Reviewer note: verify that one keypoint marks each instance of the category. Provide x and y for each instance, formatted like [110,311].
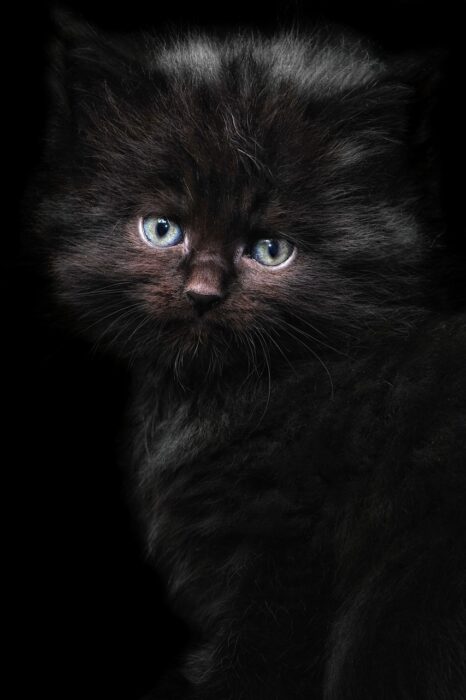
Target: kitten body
[298,447]
[317,549]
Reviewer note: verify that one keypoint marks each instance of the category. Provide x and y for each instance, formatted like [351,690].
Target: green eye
[161,232]
[271,251]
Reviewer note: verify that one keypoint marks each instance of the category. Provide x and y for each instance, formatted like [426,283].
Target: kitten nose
[202,302]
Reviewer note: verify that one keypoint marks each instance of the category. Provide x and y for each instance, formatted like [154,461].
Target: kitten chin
[201,352]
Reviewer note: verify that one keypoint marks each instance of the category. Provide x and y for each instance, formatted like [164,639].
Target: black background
[88,617]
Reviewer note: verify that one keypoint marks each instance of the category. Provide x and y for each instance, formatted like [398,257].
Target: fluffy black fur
[298,451]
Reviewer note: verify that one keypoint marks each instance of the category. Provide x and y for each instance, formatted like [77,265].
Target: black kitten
[252,222]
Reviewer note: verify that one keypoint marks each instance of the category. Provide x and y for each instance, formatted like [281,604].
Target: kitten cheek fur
[296,455]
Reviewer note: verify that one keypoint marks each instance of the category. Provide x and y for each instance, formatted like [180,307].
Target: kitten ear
[87,67]
[424,75]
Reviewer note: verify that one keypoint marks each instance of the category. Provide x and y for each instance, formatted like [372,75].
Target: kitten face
[183,173]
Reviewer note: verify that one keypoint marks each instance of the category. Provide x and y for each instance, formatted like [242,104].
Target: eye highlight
[160,231]
[271,252]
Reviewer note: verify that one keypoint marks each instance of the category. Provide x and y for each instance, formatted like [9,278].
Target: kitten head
[210,200]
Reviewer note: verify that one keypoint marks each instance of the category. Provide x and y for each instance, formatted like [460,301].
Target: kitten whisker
[177,368]
[198,342]
[268,334]
[137,328]
[249,346]
[109,315]
[269,373]
[122,313]
[306,322]
[313,353]
[114,287]
[245,341]
[311,337]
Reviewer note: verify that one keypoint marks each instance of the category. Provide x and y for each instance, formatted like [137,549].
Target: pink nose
[206,284]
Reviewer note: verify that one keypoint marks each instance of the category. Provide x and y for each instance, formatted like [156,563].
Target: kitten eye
[271,251]
[161,232]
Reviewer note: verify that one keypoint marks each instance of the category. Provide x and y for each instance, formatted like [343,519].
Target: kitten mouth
[206,329]
[206,322]
[205,335]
